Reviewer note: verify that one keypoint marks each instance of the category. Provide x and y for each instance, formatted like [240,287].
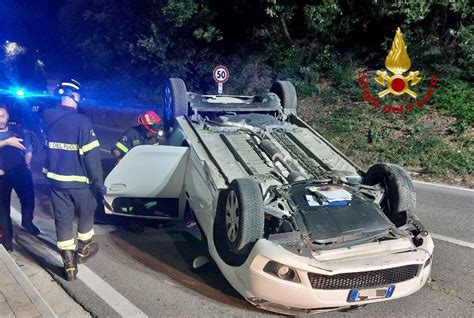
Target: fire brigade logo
[398,62]
[395,82]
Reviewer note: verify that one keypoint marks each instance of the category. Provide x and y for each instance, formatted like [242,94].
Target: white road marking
[452,240]
[103,290]
[443,186]
[112,297]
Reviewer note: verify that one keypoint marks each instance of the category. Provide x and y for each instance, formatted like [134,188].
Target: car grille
[363,279]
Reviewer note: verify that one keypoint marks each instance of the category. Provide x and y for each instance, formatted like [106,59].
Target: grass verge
[422,141]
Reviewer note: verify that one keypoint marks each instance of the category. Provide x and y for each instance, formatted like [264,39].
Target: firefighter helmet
[67,87]
[150,121]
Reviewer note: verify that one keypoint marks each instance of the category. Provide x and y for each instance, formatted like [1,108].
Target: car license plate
[367,294]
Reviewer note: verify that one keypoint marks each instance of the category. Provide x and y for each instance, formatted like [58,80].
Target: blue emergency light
[20,93]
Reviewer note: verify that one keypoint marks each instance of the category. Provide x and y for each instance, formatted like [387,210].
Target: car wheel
[175,101]
[287,94]
[400,198]
[244,217]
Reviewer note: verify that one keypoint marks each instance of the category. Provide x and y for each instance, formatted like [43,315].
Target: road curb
[37,300]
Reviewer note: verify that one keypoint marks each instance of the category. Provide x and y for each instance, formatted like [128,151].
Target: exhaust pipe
[296,172]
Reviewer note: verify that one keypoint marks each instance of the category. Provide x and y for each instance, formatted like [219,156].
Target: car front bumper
[270,292]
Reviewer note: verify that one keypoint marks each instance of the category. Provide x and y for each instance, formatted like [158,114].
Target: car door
[148,183]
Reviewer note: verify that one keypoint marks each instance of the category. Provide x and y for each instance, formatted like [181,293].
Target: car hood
[356,219]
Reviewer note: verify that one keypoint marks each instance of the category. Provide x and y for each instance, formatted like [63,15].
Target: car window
[177,138]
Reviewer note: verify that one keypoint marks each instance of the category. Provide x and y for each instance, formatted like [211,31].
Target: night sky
[32,24]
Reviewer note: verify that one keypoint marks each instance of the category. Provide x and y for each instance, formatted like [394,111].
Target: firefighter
[15,174]
[74,170]
[148,132]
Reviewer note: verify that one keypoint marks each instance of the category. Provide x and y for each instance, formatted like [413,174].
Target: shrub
[455,98]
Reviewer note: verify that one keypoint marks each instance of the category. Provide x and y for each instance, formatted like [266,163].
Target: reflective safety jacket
[73,159]
[136,136]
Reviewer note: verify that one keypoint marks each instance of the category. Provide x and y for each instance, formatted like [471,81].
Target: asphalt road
[149,274]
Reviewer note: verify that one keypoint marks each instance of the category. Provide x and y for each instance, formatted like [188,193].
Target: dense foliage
[260,40]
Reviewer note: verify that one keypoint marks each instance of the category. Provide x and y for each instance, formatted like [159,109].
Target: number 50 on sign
[221,75]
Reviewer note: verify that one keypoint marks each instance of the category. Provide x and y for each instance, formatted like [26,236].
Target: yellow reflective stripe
[90,146]
[63,146]
[127,209]
[151,204]
[121,146]
[67,245]
[85,236]
[64,178]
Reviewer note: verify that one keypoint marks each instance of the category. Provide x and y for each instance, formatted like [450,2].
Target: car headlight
[282,271]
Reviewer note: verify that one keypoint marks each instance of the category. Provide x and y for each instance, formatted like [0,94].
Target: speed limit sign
[221,74]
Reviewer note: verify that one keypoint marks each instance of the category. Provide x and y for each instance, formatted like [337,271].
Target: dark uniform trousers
[66,202]
[21,181]
[5,221]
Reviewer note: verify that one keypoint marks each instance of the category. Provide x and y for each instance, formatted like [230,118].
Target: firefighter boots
[86,250]
[70,264]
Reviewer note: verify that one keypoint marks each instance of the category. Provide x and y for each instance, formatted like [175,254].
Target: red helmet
[150,121]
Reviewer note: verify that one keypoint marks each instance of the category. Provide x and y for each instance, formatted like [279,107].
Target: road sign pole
[219,88]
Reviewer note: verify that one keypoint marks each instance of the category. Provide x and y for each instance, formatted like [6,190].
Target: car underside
[291,164]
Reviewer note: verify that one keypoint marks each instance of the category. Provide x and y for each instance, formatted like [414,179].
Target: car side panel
[200,191]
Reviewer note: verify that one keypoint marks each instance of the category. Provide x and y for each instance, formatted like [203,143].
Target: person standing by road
[74,170]
[15,174]
[148,132]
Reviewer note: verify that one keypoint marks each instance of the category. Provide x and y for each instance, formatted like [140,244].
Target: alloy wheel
[232,216]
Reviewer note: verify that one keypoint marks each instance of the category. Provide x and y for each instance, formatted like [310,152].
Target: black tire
[175,101]
[247,196]
[287,94]
[400,197]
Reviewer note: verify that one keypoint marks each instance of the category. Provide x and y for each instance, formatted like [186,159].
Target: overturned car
[291,222]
